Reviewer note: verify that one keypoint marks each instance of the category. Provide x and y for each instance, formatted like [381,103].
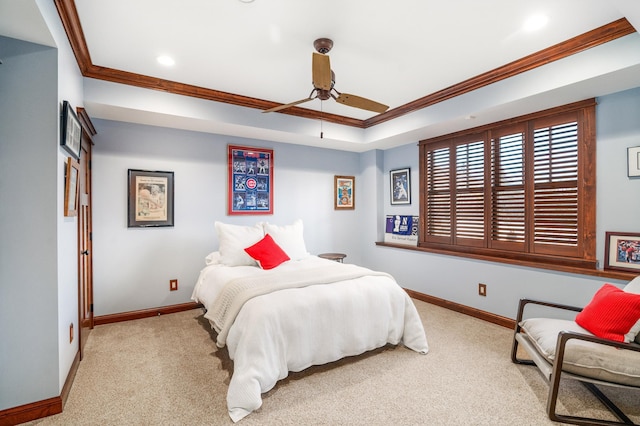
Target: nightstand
[338,257]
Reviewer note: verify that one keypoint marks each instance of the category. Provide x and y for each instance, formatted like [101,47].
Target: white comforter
[292,329]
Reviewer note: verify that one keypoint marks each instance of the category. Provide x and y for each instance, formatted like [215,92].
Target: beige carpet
[167,371]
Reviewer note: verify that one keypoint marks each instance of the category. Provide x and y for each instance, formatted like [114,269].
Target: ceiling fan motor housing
[323,45]
[323,95]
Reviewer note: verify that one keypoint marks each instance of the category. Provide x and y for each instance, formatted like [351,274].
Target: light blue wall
[38,256]
[38,275]
[456,279]
[618,127]
[28,223]
[370,200]
[70,89]
[133,266]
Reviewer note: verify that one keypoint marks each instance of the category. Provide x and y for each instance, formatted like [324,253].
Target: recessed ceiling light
[165,60]
[246,1]
[535,22]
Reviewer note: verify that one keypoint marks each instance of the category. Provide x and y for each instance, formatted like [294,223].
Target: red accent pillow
[611,313]
[267,253]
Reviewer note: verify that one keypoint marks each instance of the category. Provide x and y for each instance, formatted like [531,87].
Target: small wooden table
[338,257]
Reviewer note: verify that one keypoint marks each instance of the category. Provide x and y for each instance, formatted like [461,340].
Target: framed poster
[400,186]
[622,251]
[71,132]
[250,180]
[401,230]
[150,201]
[344,193]
[633,161]
[71,185]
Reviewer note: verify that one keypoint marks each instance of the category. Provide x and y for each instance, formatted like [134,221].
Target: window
[522,189]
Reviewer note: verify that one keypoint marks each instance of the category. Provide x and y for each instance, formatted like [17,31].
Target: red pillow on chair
[267,253]
[611,314]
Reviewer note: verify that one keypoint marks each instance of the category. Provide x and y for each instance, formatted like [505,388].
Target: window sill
[618,275]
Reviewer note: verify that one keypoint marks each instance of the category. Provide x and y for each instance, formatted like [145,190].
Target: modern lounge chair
[563,349]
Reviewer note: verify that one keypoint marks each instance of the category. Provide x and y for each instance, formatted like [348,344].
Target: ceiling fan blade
[279,107]
[360,102]
[321,71]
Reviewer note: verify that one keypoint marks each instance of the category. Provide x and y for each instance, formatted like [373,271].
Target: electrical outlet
[173,285]
[482,289]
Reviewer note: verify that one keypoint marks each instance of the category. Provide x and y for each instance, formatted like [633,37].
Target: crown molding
[71,23]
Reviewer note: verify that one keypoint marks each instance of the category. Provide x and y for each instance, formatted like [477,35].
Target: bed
[303,311]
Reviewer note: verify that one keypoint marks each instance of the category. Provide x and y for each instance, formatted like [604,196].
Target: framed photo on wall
[150,200]
[71,185]
[400,186]
[344,193]
[250,180]
[633,160]
[71,131]
[622,251]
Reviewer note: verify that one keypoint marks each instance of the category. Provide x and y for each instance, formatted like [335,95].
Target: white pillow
[234,239]
[289,238]
[633,334]
[212,258]
[634,287]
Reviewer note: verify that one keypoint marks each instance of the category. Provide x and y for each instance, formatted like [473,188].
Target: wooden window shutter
[508,218]
[470,192]
[556,221]
[522,189]
[438,193]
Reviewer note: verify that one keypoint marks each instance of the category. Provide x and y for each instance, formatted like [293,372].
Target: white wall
[133,266]
[456,279]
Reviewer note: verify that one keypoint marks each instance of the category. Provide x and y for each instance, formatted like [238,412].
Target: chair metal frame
[553,372]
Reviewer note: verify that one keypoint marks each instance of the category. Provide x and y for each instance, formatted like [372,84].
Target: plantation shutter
[521,190]
[470,192]
[508,217]
[438,194]
[555,199]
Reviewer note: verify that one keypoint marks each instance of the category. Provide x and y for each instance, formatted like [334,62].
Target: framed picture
[71,133]
[150,201]
[633,160]
[250,180]
[622,251]
[344,193]
[71,185]
[400,186]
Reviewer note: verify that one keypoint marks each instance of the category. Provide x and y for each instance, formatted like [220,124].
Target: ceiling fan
[323,80]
